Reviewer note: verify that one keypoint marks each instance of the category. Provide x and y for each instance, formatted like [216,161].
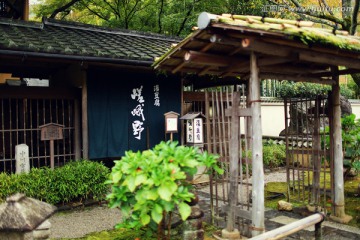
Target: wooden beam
[210,59]
[306,55]
[266,48]
[242,67]
[268,61]
[296,78]
[340,72]
[287,69]
[178,67]
[329,59]
[204,70]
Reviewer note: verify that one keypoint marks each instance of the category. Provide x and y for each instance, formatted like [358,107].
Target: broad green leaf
[116,177]
[168,206]
[144,219]
[184,210]
[158,208]
[125,210]
[147,194]
[190,163]
[139,179]
[156,216]
[166,190]
[130,183]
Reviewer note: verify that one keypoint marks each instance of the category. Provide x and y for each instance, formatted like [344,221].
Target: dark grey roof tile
[68,38]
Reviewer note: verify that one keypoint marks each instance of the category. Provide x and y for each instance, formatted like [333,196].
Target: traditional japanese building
[96,82]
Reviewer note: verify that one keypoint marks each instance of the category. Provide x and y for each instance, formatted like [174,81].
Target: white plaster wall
[356,109]
[273,118]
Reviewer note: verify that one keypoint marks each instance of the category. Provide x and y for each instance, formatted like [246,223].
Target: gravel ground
[77,223]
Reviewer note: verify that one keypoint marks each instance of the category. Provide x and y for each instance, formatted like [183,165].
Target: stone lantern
[20,214]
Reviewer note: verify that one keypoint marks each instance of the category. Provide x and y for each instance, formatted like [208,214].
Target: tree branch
[94,12]
[299,9]
[160,13]
[182,26]
[63,8]
[354,22]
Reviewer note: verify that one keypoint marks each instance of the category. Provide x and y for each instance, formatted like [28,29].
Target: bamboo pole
[286,230]
[259,19]
[317,159]
[248,120]
[257,157]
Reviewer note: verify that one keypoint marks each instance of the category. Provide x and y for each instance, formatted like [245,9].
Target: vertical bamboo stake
[257,155]
[209,149]
[339,199]
[317,159]
[248,121]
[214,150]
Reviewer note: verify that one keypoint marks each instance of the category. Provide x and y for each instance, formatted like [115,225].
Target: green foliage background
[171,17]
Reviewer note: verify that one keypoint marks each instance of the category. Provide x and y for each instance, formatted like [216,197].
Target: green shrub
[77,180]
[146,185]
[274,155]
[290,89]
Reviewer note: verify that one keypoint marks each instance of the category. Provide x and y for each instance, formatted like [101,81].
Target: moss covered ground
[352,196]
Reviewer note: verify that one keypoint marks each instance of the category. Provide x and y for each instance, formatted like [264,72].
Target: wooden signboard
[171,123]
[51,132]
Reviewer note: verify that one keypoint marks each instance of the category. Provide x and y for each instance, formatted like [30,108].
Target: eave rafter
[225,53]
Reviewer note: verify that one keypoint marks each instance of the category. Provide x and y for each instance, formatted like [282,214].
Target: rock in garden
[284,206]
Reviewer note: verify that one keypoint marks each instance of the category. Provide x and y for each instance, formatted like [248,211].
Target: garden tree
[172,17]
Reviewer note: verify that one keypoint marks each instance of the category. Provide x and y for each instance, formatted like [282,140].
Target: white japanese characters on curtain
[156,96]
[138,111]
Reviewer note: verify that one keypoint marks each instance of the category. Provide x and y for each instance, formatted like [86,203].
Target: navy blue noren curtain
[110,105]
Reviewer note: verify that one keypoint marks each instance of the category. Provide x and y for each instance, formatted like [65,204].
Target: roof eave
[27,54]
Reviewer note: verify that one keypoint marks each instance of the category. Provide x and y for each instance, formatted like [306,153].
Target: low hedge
[274,155]
[75,181]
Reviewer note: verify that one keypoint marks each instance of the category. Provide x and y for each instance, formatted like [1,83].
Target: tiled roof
[68,40]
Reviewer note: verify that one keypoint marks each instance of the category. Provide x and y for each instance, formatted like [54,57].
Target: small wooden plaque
[51,131]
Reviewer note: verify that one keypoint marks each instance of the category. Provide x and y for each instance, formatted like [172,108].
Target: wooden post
[77,144]
[52,162]
[234,158]
[85,134]
[25,12]
[339,198]
[258,208]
